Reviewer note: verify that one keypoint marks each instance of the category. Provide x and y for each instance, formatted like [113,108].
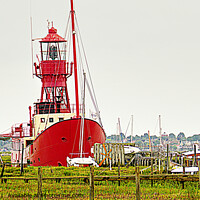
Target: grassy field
[78,189]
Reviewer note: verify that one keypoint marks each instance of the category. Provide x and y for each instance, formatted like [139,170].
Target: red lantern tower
[53,70]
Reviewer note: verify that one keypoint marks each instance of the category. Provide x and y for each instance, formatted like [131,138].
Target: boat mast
[83,118]
[120,130]
[75,59]
[160,130]
[150,148]
[131,128]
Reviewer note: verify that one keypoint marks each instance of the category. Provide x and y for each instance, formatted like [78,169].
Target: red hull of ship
[61,140]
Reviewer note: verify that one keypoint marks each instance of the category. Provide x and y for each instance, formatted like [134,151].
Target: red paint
[30,121]
[53,36]
[53,70]
[61,140]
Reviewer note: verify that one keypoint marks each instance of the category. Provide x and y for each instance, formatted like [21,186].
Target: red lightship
[57,129]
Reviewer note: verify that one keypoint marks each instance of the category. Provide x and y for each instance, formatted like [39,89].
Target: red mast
[75,59]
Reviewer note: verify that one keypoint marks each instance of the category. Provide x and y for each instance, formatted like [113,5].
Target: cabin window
[42,120]
[61,119]
[51,119]
[28,142]
[39,159]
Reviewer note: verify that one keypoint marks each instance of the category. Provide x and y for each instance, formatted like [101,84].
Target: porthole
[51,119]
[64,139]
[89,138]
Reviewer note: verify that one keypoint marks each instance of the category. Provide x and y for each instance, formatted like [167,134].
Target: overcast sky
[143,57]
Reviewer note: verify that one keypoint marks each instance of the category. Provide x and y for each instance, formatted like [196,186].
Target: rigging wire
[93,92]
[80,68]
[127,127]
[67,27]
[91,96]
[69,44]
[4,131]
[156,127]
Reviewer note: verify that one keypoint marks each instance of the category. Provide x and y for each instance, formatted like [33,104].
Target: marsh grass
[6,159]
[78,189]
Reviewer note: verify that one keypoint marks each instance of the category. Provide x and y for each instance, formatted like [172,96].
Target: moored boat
[57,129]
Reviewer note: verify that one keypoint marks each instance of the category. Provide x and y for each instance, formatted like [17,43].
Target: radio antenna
[31,38]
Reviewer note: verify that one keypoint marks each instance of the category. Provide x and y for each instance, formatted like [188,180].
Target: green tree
[194,138]
[156,142]
[153,137]
[181,136]
[172,136]
[137,137]
[139,143]
[146,137]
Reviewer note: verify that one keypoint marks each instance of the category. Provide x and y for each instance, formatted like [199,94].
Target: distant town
[177,143]
[5,144]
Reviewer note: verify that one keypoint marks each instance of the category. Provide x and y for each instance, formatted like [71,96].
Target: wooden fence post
[22,158]
[152,171]
[39,183]
[137,179]
[156,164]
[167,158]
[118,171]
[2,171]
[199,172]
[176,158]
[159,155]
[195,156]
[183,165]
[98,153]
[171,156]
[91,182]
[183,171]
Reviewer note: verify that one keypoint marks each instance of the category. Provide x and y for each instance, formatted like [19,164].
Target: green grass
[78,189]
[6,159]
